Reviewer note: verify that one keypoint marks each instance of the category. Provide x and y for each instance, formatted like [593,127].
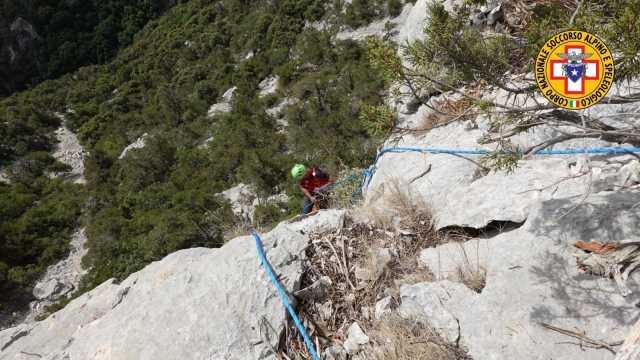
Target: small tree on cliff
[458,57]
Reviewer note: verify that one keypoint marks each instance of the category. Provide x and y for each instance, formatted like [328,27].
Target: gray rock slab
[412,27]
[384,307]
[335,352]
[355,339]
[377,28]
[193,304]
[60,279]
[242,197]
[323,221]
[461,195]
[268,86]
[224,106]
[532,279]
[140,143]
[435,304]
[69,151]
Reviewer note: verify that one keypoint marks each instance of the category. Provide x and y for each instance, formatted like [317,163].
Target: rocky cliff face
[19,43]
[194,304]
[523,226]
[507,288]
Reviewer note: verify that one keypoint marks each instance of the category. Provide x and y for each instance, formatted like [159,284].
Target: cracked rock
[431,302]
[178,308]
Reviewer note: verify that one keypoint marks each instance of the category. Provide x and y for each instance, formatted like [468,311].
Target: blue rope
[283,296]
[367,174]
[345,179]
[596,150]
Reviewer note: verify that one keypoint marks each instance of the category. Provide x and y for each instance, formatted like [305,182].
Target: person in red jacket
[313,181]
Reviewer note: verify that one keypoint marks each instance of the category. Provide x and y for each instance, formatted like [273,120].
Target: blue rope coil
[283,296]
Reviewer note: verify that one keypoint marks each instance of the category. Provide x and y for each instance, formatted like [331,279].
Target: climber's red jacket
[313,179]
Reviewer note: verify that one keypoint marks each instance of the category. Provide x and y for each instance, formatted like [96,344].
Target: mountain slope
[46,39]
[162,196]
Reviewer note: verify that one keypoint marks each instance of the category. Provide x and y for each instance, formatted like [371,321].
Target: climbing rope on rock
[367,174]
[284,298]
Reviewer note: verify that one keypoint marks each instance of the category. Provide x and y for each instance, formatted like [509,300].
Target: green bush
[77,33]
[36,222]
[394,7]
[268,214]
[379,120]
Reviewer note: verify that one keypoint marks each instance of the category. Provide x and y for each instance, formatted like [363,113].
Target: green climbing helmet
[298,170]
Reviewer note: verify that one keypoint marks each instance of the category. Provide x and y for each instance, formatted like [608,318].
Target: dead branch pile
[448,111]
[348,272]
[615,260]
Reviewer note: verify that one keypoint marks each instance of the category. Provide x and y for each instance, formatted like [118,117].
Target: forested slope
[45,39]
[163,197]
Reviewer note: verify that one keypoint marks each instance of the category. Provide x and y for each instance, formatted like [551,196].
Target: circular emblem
[574,69]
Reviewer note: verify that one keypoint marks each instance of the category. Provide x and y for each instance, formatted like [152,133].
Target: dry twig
[598,344]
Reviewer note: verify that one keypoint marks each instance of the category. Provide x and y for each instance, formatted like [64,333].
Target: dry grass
[405,214]
[237,229]
[449,110]
[471,273]
[405,340]
[519,13]
[475,279]
[337,255]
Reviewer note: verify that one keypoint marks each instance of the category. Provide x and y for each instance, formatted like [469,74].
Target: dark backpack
[319,173]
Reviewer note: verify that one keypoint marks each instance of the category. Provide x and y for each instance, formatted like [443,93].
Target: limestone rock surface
[60,279]
[532,279]
[193,304]
[140,143]
[224,106]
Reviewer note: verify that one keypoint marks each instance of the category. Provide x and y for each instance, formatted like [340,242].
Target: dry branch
[598,344]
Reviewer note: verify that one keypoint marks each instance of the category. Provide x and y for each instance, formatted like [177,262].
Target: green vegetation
[36,221]
[361,12]
[269,214]
[77,33]
[163,197]
[378,120]
[458,57]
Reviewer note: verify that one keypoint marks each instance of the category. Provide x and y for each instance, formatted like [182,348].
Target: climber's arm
[307,193]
